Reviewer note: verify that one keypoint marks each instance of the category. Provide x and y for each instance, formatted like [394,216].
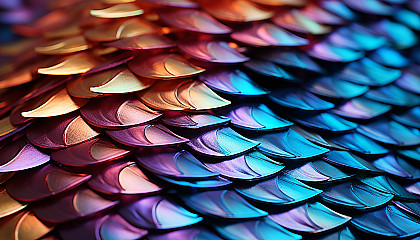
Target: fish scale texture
[229,119]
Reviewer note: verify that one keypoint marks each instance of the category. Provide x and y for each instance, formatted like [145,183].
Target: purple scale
[123,178]
[60,132]
[310,218]
[92,152]
[332,53]
[255,117]
[173,163]
[150,135]
[361,108]
[105,228]
[193,20]
[212,51]
[250,166]
[409,81]
[193,121]
[20,155]
[157,212]
[223,142]
[318,171]
[232,81]
[44,182]
[75,205]
[267,34]
[117,112]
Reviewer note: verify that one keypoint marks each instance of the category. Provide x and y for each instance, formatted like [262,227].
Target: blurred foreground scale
[203,119]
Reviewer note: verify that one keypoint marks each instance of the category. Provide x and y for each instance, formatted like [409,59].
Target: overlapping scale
[173,163]
[288,145]
[318,171]
[326,122]
[409,81]
[361,108]
[212,51]
[49,105]
[234,82]
[332,53]
[268,34]
[9,204]
[355,195]
[62,47]
[120,29]
[92,152]
[387,222]
[74,64]
[107,228]
[44,182]
[299,99]
[389,57]
[256,118]
[399,35]
[20,155]
[124,178]
[117,11]
[281,190]
[222,204]
[357,37]
[75,205]
[60,132]
[143,42]
[249,166]
[130,99]
[335,87]
[346,159]
[397,166]
[367,72]
[390,132]
[23,225]
[237,11]
[413,154]
[117,112]
[208,183]
[270,69]
[320,15]
[193,121]
[150,135]
[198,233]
[387,185]
[194,20]
[165,66]
[310,218]
[297,21]
[152,213]
[218,143]
[114,81]
[358,143]
[293,59]
[256,229]
[374,7]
